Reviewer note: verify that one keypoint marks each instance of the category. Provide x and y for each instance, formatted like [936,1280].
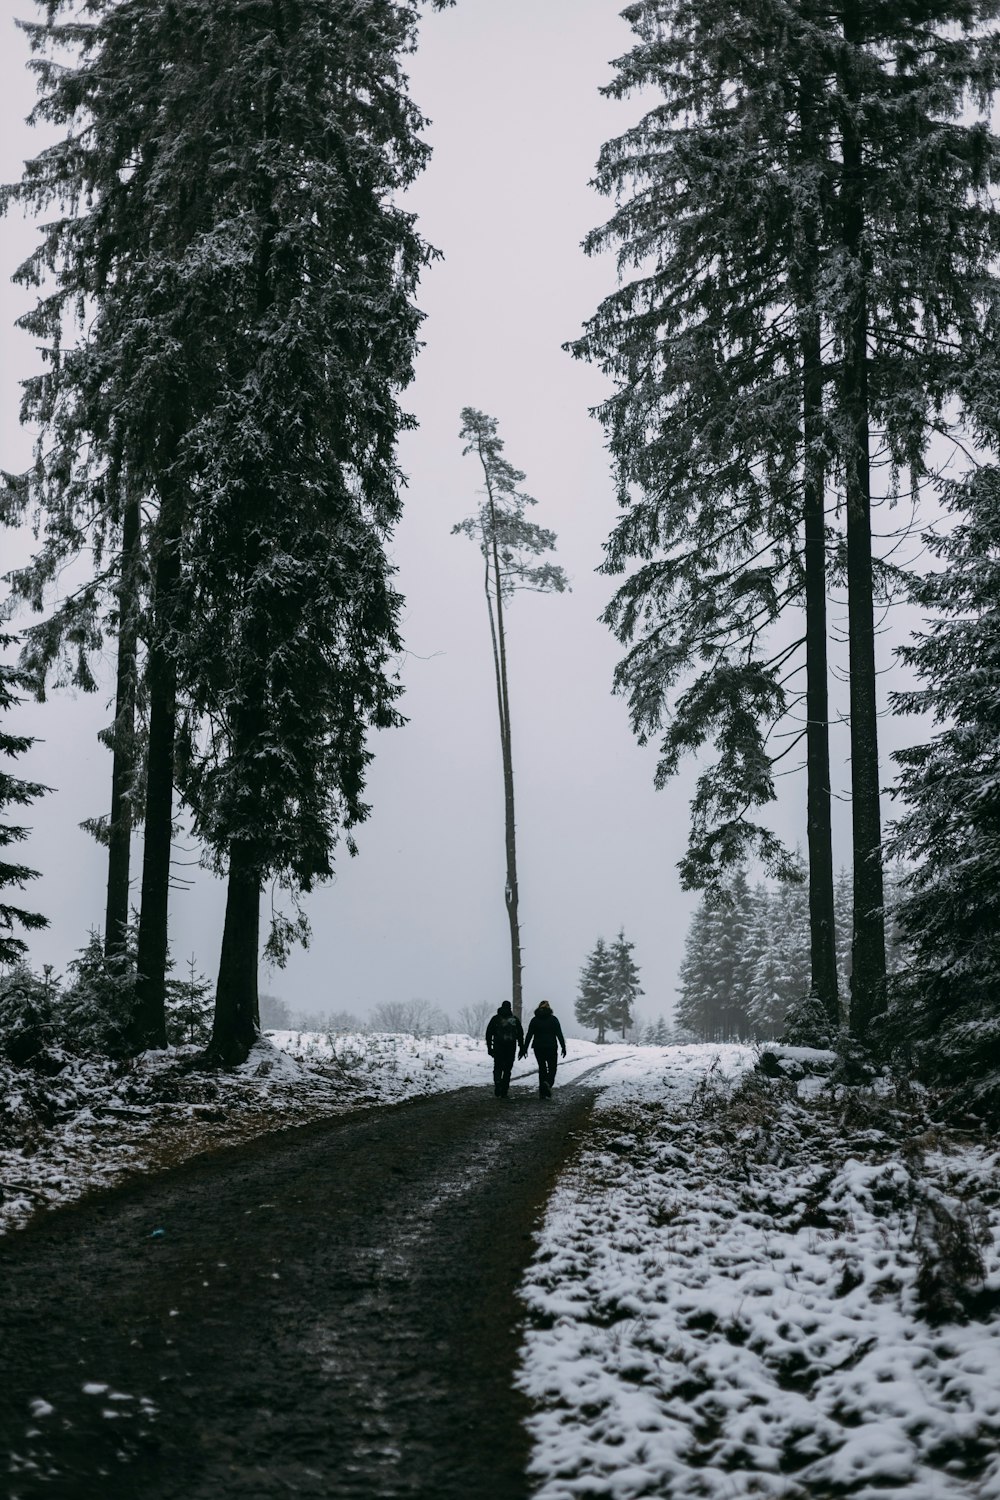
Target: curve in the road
[329,1312]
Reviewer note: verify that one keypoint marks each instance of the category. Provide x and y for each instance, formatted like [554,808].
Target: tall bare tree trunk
[510,840]
[123,739]
[819,832]
[149,1025]
[868,946]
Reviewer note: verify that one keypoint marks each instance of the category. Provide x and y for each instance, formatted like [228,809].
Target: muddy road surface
[328,1312]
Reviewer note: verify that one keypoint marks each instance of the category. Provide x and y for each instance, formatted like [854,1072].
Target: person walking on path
[504,1035]
[546,1034]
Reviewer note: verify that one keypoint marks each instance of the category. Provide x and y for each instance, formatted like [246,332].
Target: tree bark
[149,1026]
[510,839]
[819,832]
[868,944]
[237,1009]
[123,740]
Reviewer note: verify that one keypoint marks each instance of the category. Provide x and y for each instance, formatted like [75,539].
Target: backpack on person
[505,1032]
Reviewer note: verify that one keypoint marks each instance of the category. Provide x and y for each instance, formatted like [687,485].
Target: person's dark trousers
[546,1069]
[503,1062]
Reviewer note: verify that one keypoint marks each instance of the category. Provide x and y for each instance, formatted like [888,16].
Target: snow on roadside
[746,1289]
[97,1122]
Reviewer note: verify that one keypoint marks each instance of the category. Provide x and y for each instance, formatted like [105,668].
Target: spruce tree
[229,177]
[595,1003]
[624,981]
[309,269]
[129,184]
[946,999]
[15,791]
[910,244]
[765,1000]
[806,213]
[734,960]
[717,427]
[511,546]
[693,1001]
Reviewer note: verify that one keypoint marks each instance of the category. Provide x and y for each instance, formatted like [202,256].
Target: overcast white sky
[512,91]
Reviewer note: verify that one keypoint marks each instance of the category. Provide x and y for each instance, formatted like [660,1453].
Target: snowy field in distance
[403,1067]
[743,1289]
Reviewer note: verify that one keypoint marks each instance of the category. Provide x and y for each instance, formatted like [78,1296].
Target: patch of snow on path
[739,1290]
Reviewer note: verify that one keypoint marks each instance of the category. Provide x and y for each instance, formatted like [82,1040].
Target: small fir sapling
[189,1008]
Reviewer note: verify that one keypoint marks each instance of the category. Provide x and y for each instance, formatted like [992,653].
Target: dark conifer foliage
[609,987]
[704,425]
[806,242]
[946,1004]
[746,972]
[230,242]
[625,986]
[308,331]
[746,961]
[15,791]
[594,1005]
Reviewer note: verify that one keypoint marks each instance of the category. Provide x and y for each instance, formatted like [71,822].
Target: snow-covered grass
[97,1122]
[744,1287]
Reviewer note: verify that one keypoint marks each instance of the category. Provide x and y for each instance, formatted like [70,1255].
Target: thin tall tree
[510,545]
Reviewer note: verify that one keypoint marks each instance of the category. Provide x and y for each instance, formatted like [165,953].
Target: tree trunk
[237,1011]
[822,927]
[123,740]
[510,842]
[868,945]
[819,832]
[149,1026]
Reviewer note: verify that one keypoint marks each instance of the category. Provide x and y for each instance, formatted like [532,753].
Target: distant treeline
[747,960]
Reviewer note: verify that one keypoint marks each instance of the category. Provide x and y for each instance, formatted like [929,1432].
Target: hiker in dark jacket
[503,1037]
[546,1034]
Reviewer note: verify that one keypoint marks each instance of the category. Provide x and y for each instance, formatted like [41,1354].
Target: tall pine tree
[510,545]
[806,214]
[287,658]
[229,178]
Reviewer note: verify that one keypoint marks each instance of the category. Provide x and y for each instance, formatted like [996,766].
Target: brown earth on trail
[326,1312]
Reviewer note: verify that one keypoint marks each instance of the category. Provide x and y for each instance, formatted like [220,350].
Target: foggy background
[517,124]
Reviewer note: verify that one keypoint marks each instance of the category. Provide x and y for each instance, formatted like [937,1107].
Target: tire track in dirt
[327,1312]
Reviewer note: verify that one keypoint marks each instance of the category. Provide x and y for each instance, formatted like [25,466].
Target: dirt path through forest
[327,1312]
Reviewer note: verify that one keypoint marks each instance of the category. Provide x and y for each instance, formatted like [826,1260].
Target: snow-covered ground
[744,1288]
[401,1067]
[96,1123]
[741,1287]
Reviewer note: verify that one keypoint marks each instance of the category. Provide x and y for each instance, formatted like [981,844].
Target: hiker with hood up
[546,1033]
[503,1037]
